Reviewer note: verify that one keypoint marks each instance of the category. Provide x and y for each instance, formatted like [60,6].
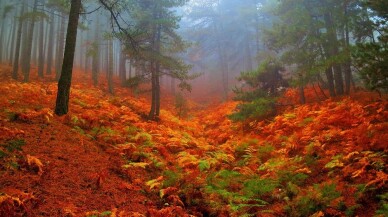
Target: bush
[258,100]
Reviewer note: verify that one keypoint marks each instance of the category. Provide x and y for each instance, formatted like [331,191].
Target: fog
[213,40]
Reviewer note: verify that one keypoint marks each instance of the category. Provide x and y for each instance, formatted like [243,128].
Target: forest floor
[324,158]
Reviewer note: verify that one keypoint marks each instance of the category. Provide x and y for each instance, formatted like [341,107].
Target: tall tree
[110,65]
[64,84]
[41,46]
[371,56]
[27,58]
[15,71]
[308,34]
[94,52]
[60,46]
[50,46]
[160,41]
[5,12]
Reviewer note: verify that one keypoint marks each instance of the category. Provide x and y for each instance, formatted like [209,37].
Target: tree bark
[27,65]
[61,43]
[3,22]
[330,81]
[86,54]
[332,47]
[96,55]
[301,94]
[50,47]
[15,71]
[155,68]
[41,49]
[224,64]
[64,84]
[110,66]
[347,64]
[122,69]
[12,44]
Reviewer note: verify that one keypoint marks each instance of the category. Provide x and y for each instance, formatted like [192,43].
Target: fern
[383,209]
[258,187]
[171,178]
[203,165]
[145,138]
[13,145]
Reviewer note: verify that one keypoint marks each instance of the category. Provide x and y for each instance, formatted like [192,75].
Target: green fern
[257,187]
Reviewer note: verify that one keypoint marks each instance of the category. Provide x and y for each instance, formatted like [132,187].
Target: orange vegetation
[104,158]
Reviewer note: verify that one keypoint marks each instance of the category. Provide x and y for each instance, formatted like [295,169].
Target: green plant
[171,178]
[256,109]
[306,121]
[313,199]
[132,130]
[264,152]
[181,106]
[383,208]
[2,154]
[241,193]
[203,165]
[12,145]
[335,162]
[257,187]
[259,101]
[144,138]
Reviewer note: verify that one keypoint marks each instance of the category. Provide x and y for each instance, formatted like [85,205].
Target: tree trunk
[347,64]
[224,65]
[332,47]
[157,93]
[8,44]
[15,71]
[86,54]
[248,56]
[96,55]
[81,51]
[131,64]
[41,49]
[110,66]
[330,81]
[61,43]
[157,71]
[12,43]
[64,84]
[27,66]
[50,47]
[155,67]
[3,22]
[153,92]
[122,69]
[35,44]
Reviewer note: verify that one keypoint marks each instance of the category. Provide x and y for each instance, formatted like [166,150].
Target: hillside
[326,158]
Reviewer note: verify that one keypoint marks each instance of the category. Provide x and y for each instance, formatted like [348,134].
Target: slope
[105,159]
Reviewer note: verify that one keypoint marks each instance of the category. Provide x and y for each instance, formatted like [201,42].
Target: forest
[183,108]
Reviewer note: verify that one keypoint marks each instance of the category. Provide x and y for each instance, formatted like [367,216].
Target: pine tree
[64,84]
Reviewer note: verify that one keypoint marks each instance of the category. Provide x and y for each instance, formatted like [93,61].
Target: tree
[258,99]
[64,84]
[50,45]
[41,47]
[228,35]
[158,42]
[371,57]
[315,36]
[6,10]
[15,70]
[27,58]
